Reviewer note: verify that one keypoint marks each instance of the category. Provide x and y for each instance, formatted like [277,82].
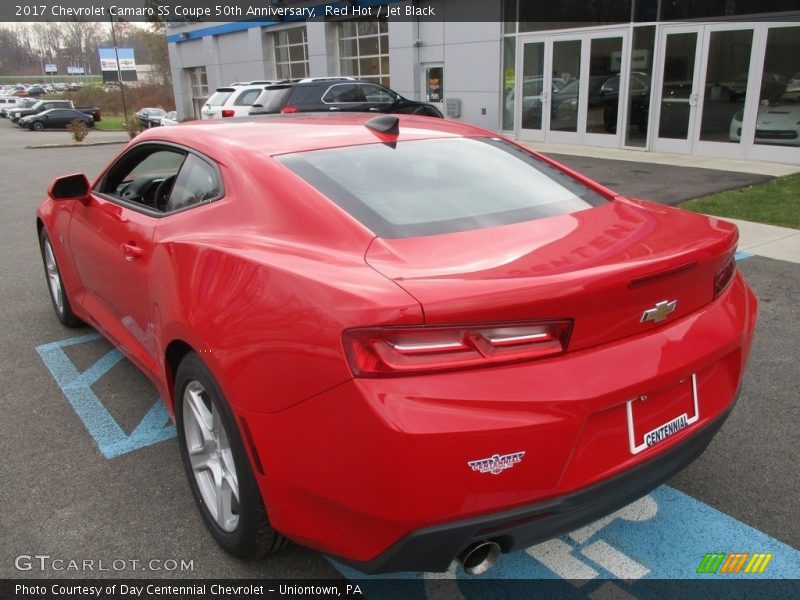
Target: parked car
[772,86]
[6,103]
[55,118]
[564,106]
[171,118]
[532,87]
[336,95]
[8,111]
[399,339]
[232,101]
[777,123]
[150,117]
[44,105]
[639,101]
[37,107]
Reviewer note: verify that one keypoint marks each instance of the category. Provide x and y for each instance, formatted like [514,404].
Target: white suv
[232,101]
[7,102]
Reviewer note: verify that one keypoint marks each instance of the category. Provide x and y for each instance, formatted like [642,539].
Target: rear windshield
[430,187]
[272,99]
[218,98]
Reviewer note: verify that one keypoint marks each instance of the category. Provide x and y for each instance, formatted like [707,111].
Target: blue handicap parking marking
[741,255]
[663,536]
[111,439]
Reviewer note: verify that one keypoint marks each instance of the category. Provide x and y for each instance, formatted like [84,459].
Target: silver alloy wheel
[53,277]
[210,456]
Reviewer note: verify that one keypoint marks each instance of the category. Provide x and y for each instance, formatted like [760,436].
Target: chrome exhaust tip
[479,557]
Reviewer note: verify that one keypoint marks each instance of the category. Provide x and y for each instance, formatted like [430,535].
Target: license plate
[656,417]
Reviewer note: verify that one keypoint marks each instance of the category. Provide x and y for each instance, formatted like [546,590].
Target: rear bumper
[376,471]
[434,548]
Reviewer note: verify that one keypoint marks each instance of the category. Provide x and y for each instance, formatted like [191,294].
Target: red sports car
[401,340]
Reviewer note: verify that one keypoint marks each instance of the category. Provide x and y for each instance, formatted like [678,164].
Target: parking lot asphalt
[667,184]
[64,498]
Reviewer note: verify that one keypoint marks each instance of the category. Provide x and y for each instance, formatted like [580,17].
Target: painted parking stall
[111,439]
[664,536]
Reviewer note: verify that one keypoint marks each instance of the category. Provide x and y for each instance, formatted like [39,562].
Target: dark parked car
[55,118]
[150,117]
[639,94]
[8,111]
[564,107]
[43,105]
[37,107]
[336,95]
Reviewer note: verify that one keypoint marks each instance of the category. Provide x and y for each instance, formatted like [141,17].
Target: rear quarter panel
[261,284]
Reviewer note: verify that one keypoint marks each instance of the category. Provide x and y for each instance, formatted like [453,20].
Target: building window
[198,88]
[291,53]
[199,82]
[364,50]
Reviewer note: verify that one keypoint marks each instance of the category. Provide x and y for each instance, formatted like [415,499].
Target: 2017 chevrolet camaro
[401,340]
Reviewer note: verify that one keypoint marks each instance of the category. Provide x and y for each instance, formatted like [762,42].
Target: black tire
[251,537]
[37,126]
[424,111]
[55,284]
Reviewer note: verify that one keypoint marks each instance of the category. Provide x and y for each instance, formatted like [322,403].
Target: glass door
[433,84]
[572,88]
[530,97]
[549,105]
[772,127]
[727,73]
[675,104]
[607,88]
[568,91]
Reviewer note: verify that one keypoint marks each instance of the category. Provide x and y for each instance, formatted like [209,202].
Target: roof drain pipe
[479,557]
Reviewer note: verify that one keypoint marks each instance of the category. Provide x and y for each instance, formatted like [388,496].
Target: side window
[247,97]
[377,94]
[197,182]
[143,175]
[343,92]
[57,114]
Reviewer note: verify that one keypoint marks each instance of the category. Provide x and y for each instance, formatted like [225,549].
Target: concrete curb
[76,144]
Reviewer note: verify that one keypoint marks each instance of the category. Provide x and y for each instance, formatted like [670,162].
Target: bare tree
[82,39]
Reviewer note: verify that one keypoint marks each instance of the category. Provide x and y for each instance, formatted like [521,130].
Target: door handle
[131,251]
[693,99]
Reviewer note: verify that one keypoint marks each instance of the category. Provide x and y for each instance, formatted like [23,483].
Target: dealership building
[716,78]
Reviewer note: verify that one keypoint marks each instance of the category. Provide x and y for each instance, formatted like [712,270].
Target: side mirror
[69,187]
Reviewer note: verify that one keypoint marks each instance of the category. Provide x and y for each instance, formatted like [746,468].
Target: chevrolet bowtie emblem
[659,312]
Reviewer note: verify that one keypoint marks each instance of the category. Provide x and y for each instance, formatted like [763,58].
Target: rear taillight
[724,276]
[386,351]
[228,113]
[288,110]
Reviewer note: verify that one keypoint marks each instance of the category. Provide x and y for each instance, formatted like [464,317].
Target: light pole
[119,69]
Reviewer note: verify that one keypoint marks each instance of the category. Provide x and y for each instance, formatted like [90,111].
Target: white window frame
[382,77]
[295,70]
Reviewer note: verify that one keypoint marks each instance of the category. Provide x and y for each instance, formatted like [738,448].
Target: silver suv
[232,101]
